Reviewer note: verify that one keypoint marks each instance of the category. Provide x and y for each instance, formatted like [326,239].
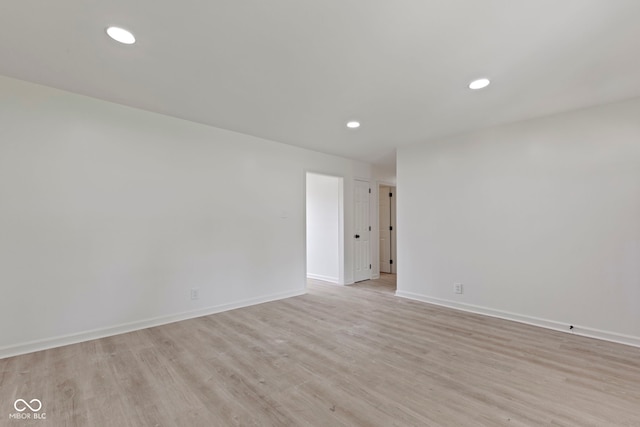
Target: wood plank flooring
[338,356]
[386,284]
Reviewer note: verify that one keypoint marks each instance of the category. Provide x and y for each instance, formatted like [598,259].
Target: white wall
[385,174]
[325,237]
[110,215]
[540,220]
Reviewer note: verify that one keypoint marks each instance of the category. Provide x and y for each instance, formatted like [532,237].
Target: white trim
[323,278]
[304,225]
[341,257]
[47,343]
[529,320]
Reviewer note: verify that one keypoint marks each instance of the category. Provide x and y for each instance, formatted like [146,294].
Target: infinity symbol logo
[26,405]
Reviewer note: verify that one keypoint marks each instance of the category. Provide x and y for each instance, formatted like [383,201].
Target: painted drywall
[385,174]
[324,227]
[110,215]
[540,221]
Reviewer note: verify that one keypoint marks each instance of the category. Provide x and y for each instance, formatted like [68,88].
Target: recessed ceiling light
[479,84]
[353,124]
[121,35]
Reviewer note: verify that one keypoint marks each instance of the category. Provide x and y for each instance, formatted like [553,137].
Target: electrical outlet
[458,288]
[195,293]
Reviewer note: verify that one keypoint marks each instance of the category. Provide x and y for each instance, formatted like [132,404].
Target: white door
[362,229]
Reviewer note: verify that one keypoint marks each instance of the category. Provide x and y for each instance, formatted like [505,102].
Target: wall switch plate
[458,288]
[195,293]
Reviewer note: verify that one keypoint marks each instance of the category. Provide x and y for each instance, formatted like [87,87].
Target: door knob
[357,236]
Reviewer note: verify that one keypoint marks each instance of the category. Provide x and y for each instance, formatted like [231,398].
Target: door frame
[375,273]
[341,217]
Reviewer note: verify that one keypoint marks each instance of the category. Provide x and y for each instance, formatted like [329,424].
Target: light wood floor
[338,356]
[385,284]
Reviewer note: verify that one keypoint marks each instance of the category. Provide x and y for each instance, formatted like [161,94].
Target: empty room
[330,213]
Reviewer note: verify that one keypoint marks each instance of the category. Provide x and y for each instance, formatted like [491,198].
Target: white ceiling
[295,71]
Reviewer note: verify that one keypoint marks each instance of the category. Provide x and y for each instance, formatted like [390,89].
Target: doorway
[325,227]
[387,229]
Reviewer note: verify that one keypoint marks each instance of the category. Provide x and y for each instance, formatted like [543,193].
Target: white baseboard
[529,320]
[29,347]
[323,278]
